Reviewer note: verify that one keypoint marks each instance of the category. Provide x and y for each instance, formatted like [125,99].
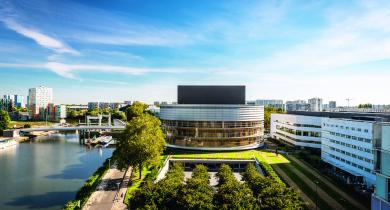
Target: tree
[135,110]
[27,125]
[269,194]
[115,114]
[4,120]
[142,143]
[164,194]
[230,193]
[267,115]
[197,193]
[367,105]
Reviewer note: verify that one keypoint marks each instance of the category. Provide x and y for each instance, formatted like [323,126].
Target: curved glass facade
[212,125]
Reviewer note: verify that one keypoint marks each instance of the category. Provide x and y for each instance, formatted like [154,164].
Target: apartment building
[38,98]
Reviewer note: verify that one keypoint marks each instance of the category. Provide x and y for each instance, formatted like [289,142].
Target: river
[46,172]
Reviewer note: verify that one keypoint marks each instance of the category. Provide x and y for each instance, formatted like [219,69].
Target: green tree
[269,194]
[142,143]
[231,194]
[367,105]
[164,194]
[197,193]
[135,110]
[4,120]
[115,114]
[267,115]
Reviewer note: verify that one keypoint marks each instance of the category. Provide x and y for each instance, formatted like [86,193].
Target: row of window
[299,132]
[352,155]
[351,146]
[298,140]
[352,164]
[349,137]
[298,125]
[345,127]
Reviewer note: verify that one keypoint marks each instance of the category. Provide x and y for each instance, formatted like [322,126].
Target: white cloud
[70,70]
[40,38]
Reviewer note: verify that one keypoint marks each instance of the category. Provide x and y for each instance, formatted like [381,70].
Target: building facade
[270,103]
[298,105]
[348,145]
[347,139]
[315,104]
[297,130]
[38,98]
[222,124]
[332,105]
[381,198]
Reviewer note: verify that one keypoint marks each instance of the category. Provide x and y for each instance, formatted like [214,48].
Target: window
[365,130]
[359,129]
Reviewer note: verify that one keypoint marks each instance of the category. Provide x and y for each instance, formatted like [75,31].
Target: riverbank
[53,167]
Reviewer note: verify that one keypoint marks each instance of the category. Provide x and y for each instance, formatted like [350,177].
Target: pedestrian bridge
[74,128]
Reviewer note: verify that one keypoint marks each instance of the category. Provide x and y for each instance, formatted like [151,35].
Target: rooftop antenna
[348,100]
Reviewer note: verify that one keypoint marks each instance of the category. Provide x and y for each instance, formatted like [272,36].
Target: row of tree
[257,192]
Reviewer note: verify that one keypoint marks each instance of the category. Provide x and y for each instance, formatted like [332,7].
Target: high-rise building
[316,104]
[38,98]
[332,105]
[270,103]
[298,105]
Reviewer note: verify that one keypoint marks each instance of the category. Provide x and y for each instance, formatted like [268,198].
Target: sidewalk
[103,197]
[120,197]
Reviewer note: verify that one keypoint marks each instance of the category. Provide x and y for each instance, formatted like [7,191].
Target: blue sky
[141,50]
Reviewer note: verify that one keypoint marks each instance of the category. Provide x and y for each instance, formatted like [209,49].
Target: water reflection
[47,172]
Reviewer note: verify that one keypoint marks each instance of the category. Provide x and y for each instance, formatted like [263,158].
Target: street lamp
[109,163]
[316,182]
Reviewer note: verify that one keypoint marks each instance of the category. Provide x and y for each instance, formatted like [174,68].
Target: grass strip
[305,187]
[335,195]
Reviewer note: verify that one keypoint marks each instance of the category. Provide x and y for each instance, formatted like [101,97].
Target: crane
[348,100]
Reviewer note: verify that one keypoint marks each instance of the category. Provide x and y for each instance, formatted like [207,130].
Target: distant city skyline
[129,50]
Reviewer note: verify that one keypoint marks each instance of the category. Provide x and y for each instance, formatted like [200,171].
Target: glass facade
[212,126]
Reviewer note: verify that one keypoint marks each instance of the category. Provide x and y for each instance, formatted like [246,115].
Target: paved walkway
[103,197]
[328,183]
[120,197]
[309,203]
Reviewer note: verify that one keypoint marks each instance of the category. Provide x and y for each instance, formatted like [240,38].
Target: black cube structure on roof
[212,118]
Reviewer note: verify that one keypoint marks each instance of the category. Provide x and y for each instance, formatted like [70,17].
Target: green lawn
[135,182]
[335,195]
[268,157]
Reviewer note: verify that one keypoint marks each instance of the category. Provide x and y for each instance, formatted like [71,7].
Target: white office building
[270,103]
[346,140]
[297,130]
[39,97]
[315,104]
[348,145]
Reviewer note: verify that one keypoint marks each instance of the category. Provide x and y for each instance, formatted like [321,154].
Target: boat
[5,143]
[105,140]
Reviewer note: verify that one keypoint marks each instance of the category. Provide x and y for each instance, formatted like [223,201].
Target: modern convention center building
[212,118]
